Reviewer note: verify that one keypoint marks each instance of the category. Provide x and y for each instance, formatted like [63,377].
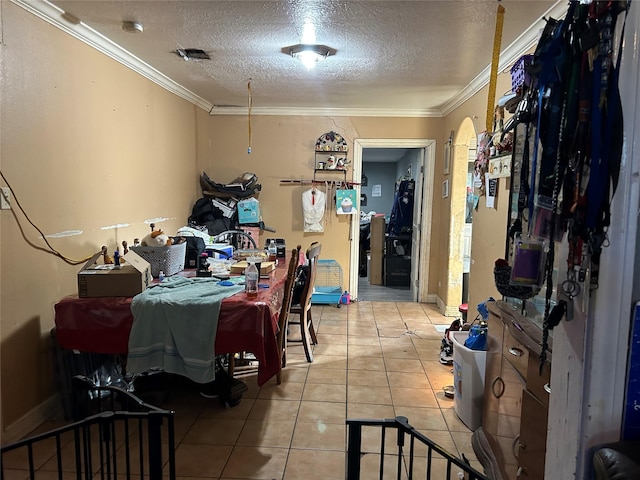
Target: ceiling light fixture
[309,53]
[132,27]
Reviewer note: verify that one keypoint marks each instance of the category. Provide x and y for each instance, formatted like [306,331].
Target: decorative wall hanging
[346,202]
[331,153]
[331,142]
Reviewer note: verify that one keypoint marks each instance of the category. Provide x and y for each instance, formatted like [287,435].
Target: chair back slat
[312,254]
[287,296]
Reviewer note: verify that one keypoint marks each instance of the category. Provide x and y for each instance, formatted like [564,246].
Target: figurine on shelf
[331,163]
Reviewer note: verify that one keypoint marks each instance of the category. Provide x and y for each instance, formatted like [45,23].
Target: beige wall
[489,224]
[87,145]
[283,148]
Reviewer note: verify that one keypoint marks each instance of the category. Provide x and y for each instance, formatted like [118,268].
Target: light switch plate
[5,199]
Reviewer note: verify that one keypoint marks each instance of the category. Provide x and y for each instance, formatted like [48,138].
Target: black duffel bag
[195,248]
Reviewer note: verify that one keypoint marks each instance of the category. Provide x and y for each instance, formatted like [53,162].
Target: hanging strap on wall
[495,59]
[249,107]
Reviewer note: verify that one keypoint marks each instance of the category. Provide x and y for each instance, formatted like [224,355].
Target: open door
[421,234]
[416,230]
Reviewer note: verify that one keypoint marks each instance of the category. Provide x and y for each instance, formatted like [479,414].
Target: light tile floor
[373,360]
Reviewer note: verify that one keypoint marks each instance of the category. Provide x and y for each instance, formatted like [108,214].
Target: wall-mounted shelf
[331,160]
[331,152]
[331,173]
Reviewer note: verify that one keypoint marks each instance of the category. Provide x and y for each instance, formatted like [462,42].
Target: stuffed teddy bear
[157,238]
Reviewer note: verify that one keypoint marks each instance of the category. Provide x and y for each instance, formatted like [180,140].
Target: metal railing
[406,463]
[112,444]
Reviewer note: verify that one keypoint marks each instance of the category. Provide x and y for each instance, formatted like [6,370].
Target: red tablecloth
[102,324]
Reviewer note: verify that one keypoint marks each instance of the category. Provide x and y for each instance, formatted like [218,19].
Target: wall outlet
[5,199]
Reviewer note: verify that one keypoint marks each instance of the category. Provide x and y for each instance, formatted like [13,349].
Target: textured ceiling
[391,55]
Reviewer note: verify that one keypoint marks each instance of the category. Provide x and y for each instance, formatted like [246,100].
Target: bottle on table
[251,277]
[273,251]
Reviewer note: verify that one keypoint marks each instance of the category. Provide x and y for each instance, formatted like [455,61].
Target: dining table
[103,324]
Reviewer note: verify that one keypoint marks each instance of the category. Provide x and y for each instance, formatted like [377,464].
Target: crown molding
[528,39]
[321,111]
[74,27]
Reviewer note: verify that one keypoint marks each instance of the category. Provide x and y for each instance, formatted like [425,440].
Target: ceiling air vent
[192,54]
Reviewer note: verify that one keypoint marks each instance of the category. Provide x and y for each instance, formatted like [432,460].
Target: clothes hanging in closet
[401,218]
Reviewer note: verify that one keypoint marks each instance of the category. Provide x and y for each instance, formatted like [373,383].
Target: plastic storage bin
[328,287]
[468,380]
[169,260]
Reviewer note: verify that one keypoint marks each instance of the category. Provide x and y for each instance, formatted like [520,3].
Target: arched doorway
[462,154]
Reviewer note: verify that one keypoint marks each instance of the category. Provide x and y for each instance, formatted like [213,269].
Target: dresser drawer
[532,444]
[538,382]
[516,353]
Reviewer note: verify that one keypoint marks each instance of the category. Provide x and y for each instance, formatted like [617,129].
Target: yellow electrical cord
[249,101]
[495,59]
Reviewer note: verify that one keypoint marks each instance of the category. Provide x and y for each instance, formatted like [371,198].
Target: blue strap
[604,138]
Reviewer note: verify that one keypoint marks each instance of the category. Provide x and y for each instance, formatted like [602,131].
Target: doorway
[419,165]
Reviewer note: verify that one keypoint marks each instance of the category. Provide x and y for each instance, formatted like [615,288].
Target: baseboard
[432,298]
[446,310]
[450,311]
[32,419]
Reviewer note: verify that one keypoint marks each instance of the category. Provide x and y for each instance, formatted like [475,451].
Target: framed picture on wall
[447,154]
[445,188]
[447,158]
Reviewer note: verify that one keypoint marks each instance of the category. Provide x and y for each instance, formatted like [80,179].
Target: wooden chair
[281,335]
[285,310]
[303,310]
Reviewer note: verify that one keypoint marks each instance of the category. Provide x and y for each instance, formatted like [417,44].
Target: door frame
[420,286]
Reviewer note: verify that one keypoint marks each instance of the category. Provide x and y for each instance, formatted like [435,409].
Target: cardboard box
[378,230]
[254,233]
[133,276]
[375,268]
[249,211]
[265,267]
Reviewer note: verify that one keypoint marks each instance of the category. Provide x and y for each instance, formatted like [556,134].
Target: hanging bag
[477,339]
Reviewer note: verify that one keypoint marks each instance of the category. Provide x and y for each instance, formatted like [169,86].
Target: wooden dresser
[511,442]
